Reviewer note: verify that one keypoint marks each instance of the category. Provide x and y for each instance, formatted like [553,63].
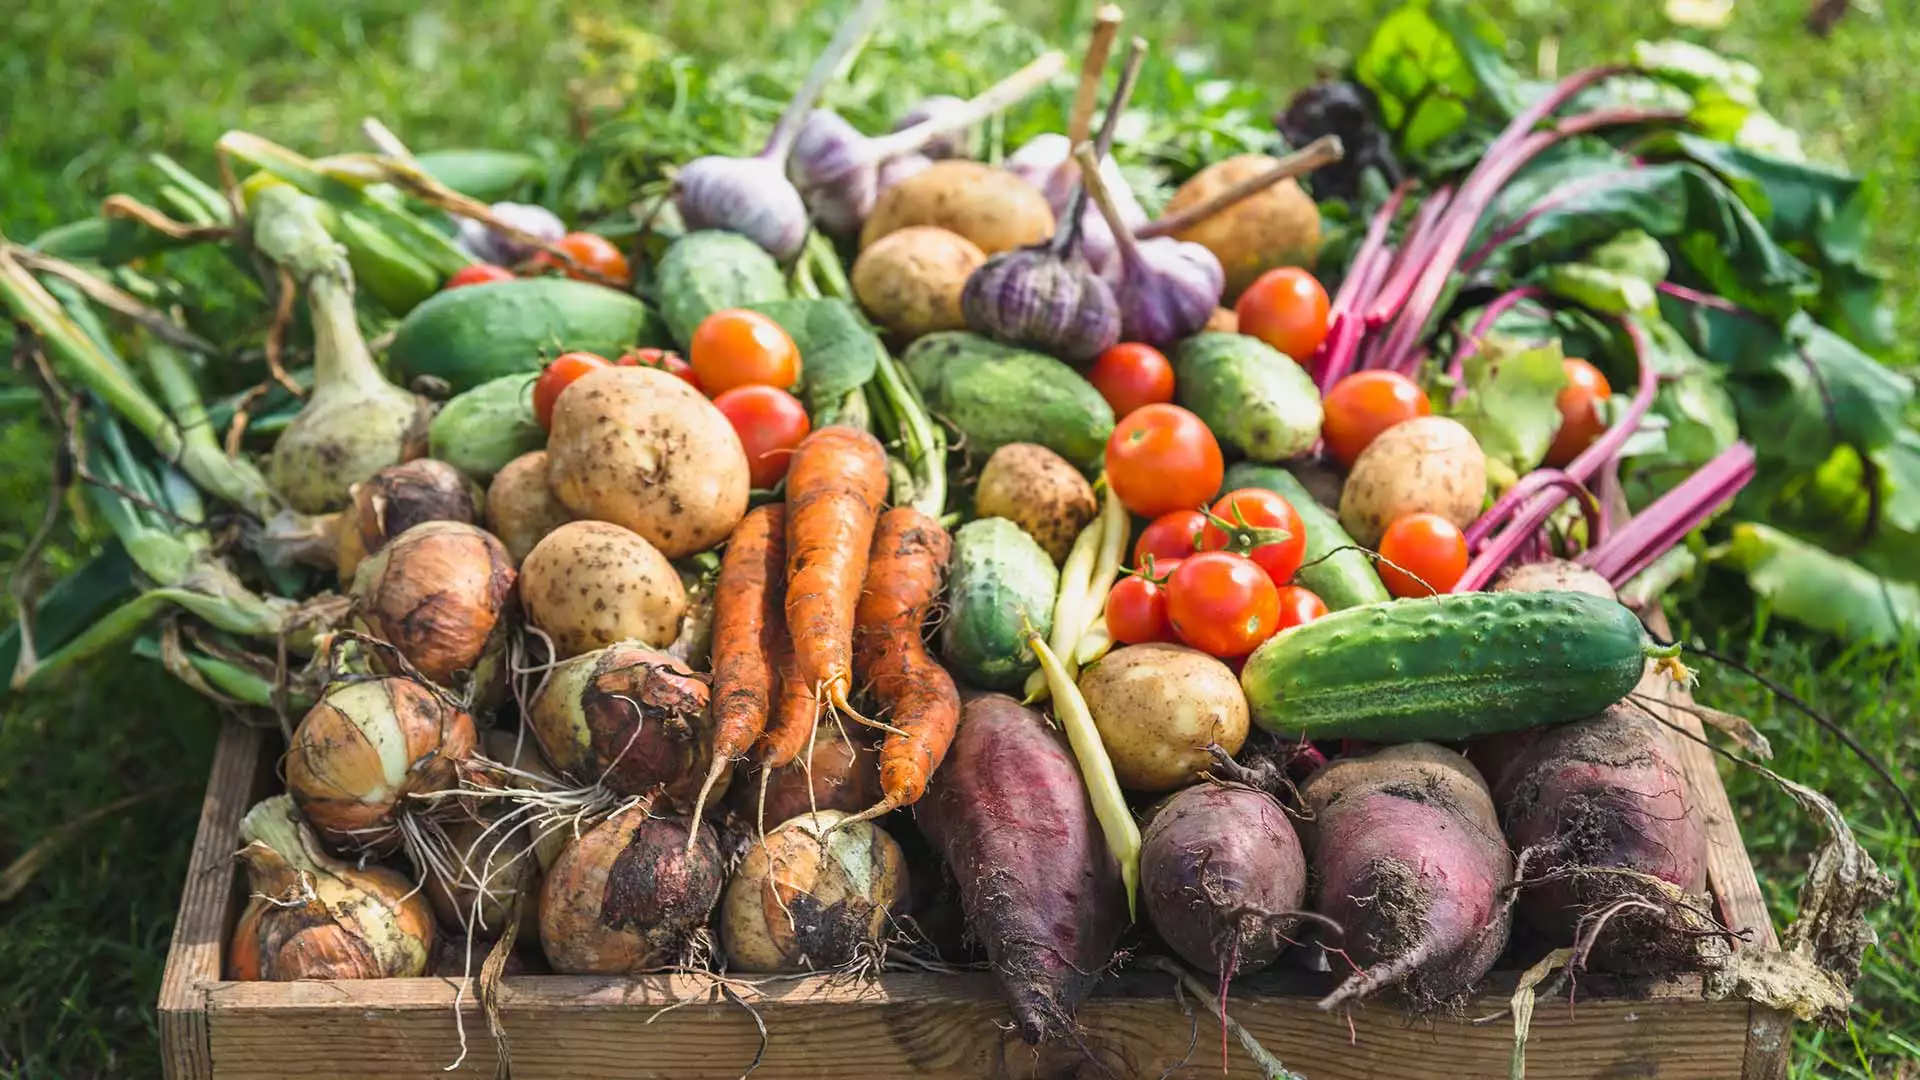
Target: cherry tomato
[1287,309]
[1252,517]
[665,359]
[770,423]
[736,347]
[1299,606]
[557,376]
[594,253]
[1580,420]
[1222,604]
[1173,535]
[1162,458]
[1130,375]
[478,274]
[1364,404]
[1137,611]
[1422,550]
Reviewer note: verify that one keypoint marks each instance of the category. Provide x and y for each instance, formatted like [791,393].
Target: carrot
[904,574]
[835,485]
[790,726]
[746,618]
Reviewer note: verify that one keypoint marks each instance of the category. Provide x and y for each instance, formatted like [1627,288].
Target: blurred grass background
[90,86]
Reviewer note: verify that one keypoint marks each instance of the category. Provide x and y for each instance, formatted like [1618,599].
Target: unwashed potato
[589,584]
[1428,464]
[1224,320]
[1278,227]
[993,208]
[910,281]
[1036,489]
[1158,707]
[521,508]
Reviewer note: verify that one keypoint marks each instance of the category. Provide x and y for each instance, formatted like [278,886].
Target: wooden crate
[905,1025]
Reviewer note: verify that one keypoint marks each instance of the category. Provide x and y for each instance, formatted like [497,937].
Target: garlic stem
[1106,28]
[851,35]
[1067,239]
[995,98]
[1096,185]
[1322,151]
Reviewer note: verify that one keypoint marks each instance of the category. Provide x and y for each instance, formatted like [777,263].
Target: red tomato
[770,423]
[1162,458]
[556,377]
[1422,550]
[736,347]
[592,252]
[1287,309]
[1222,604]
[1173,535]
[1247,522]
[665,359]
[1364,404]
[1137,611]
[1580,420]
[478,274]
[1130,375]
[1299,606]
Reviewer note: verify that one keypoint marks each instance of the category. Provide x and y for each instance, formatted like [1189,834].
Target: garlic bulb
[1168,288]
[1043,297]
[951,142]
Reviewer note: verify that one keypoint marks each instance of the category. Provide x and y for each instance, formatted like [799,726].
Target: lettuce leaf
[1820,590]
[1510,402]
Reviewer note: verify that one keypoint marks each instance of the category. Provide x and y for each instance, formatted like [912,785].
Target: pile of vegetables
[877,527]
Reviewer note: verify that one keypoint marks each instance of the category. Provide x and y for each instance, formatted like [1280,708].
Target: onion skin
[396,499]
[799,902]
[629,895]
[627,717]
[436,593]
[499,858]
[841,774]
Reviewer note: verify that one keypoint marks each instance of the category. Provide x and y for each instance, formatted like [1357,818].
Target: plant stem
[1667,520]
[845,41]
[1322,151]
[1106,27]
[994,99]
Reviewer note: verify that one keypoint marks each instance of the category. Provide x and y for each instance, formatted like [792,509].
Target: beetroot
[1223,877]
[1038,885]
[1408,858]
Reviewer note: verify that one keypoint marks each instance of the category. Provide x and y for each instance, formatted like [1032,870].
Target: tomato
[1299,606]
[1163,458]
[1580,419]
[770,423]
[1137,611]
[1364,404]
[736,347]
[1130,375]
[1287,309]
[557,376]
[1247,522]
[1222,604]
[1421,550]
[665,359]
[1173,535]
[592,252]
[478,274]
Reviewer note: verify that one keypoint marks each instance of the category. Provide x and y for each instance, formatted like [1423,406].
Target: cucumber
[1344,580]
[1448,668]
[487,175]
[1260,404]
[479,431]
[704,272]
[997,394]
[472,335]
[1002,583]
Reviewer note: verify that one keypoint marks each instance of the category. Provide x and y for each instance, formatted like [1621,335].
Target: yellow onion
[436,593]
[629,895]
[629,718]
[314,917]
[811,897]
[367,745]
[492,869]
[396,499]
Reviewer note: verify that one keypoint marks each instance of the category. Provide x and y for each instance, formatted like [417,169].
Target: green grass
[92,86]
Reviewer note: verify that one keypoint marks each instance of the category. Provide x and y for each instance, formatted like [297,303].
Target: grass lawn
[91,86]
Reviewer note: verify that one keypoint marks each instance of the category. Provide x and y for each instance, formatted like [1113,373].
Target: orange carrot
[790,727]
[904,574]
[746,617]
[835,486]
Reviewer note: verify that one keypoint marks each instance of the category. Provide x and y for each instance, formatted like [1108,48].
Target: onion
[812,896]
[396,499]
[368,744]
[628,718]
[493,869]
[437,593]
[630,895]
[311,916]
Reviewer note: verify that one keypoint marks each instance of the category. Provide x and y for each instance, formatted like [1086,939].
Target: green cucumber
[479,431]
[707,271]
[482,332]
[1260,404]
[996,394]
[1449,667]
[1002,584]
[487,175]
[1342,580]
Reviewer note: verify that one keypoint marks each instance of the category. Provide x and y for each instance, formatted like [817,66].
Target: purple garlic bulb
[1169,289]
[482,242]
[834,172]
[957,143]
[750,196]
[899,169]
[1044,299]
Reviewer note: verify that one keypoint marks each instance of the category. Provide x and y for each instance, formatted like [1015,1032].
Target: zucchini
[1344,580]
[1447,668]
[1001,592]
[483,332]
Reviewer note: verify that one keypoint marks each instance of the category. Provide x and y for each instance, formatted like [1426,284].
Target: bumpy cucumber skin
[1003,582]
[707,271]
[997,394]
[483,332]
[1260,404]
[482,429]
[1342,581]
[1446,668]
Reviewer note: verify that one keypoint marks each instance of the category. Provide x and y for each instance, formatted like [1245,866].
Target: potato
[520,506]
[1429,464]
[1278,227]
[995,209]
[589,584]
[1158,707]
[910,281]
[638,447]
[1036,489]
[1224,320]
